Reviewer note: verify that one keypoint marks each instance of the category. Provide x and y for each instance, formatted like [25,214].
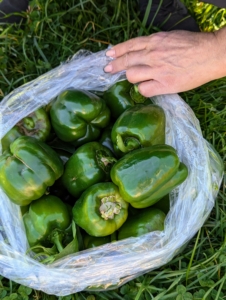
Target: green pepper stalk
[100,210]
[110,207]
[36,124]
[56,237]
[136,96]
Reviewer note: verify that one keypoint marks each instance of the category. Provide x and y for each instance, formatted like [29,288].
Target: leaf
[13,296]
[199,295]
[180,297]
[69,297]
[188,296]
[185,296]
[3,293]
[124,289]
[147,295]
[24,290]
[222,258]
[90,297]
[204,281]
[23,296]
[72,247]
[181,289]
[130,292]
[214,294]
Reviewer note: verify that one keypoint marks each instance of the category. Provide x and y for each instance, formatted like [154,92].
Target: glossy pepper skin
[90,164]
[78,116]
[36,124]
[44,215]
[147,220]
[100,210]
[145,175]
[48,225]
[139,126]
[118,98]
[27,169]
[121,96]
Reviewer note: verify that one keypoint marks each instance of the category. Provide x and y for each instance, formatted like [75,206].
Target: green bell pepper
[163,204]
[121,96]
[100,210]
[139,126]
[145,175]
[48,225]
[36,124]
[78,116]
[118,98]
[27,169]
[90,164]
[94,241]
[42,218]
[148,220]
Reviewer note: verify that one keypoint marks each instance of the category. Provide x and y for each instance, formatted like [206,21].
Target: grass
[54,31]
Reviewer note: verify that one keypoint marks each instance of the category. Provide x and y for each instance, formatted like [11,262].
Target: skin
[170,62]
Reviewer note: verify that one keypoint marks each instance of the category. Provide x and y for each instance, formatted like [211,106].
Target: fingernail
[110,52]
[108,68]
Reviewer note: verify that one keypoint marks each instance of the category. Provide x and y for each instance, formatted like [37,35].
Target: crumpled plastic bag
[110,265]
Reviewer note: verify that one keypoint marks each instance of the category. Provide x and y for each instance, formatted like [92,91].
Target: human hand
[170,62]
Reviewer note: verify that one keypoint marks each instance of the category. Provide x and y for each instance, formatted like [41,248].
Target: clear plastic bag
[114,264]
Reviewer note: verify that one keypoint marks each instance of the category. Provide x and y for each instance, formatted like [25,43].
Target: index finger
[135,44]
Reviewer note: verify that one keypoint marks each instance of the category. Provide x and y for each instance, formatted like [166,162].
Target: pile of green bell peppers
[90,169]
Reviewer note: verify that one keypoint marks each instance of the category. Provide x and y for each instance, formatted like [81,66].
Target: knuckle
[126,60]
[130,45]
[157,37]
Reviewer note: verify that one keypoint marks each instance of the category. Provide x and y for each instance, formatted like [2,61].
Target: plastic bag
[110,265]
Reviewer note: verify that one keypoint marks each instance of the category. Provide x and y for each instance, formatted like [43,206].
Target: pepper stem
[136,96]
[104,161]
[129,144]
[109,207]
[27,126]
[56,238]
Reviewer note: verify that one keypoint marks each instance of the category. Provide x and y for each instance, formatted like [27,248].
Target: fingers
[153,88]
[148,84]
[139,73]
[131,45]
[127,61]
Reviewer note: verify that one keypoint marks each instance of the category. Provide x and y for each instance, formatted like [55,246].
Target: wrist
[220,50]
